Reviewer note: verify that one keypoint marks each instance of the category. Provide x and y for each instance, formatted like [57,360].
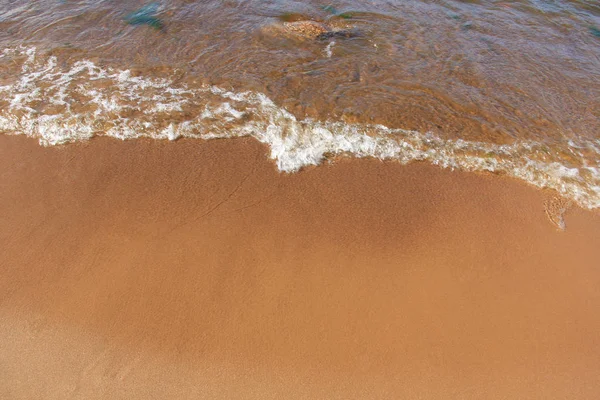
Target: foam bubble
[329,49]
[59,105]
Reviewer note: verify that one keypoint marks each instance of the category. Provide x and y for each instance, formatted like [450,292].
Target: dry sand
[154,270]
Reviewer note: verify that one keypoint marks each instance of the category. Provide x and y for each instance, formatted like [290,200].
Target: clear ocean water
[505,86]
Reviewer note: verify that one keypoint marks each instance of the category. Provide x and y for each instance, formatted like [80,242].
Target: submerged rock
[146,15]
[309,29]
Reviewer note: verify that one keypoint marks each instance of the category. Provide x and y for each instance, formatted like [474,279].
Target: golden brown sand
[152,270]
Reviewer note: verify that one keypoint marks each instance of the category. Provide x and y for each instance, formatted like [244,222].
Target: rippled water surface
[510,86]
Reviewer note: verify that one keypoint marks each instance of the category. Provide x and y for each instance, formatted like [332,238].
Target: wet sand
[144,269]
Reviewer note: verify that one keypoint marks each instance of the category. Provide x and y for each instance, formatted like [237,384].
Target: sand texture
[195,270]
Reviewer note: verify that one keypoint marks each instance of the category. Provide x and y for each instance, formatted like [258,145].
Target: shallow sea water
[511,87]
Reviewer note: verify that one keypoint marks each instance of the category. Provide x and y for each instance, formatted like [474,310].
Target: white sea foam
[60,105]
[329,49]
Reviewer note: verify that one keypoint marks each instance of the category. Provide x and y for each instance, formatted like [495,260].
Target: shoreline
[195,268]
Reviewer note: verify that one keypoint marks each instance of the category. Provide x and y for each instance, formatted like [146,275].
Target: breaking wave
[59,103]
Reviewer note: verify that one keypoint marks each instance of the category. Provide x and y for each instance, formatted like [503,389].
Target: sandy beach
[194,269]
